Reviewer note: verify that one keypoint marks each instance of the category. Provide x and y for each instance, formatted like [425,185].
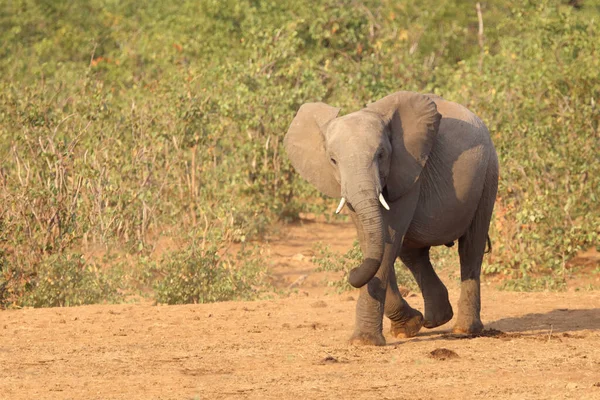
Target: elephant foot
[469,307]
[468,326]
[367,339]
[409,326]
[437,315]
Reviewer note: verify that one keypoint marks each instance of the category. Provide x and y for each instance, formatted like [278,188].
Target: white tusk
[383,203]
[342,204]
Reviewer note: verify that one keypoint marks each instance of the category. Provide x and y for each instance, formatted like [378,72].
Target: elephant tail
[489,245]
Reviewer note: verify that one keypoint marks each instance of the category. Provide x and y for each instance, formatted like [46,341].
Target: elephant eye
[333,161]
[380,155]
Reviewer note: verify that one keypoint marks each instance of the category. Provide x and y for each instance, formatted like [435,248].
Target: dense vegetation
[138,142]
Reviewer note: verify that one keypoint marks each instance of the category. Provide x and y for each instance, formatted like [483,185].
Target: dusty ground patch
[538,345]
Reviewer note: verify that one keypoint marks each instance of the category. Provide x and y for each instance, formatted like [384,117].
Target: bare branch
[480,34]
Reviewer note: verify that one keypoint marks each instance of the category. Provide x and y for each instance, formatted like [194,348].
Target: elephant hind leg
[438,309]
[471,248]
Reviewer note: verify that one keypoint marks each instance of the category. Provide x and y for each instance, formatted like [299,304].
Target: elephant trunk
[367,209]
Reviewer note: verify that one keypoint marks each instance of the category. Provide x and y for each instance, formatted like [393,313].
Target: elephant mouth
[385,193]
[382,196]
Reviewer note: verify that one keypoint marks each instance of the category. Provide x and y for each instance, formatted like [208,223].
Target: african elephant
[415,171]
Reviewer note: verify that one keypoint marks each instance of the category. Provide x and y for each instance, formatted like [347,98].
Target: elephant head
[360,157]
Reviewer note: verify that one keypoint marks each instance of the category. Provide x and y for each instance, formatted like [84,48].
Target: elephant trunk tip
[362,274]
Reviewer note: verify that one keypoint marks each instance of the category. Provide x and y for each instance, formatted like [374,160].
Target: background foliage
[123,124]
[328,260]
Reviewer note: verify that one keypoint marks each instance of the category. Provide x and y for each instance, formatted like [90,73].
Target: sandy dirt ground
[294,346]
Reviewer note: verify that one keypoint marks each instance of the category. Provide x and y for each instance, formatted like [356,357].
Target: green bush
[205,276]
[65,280]
[527,283]
[120,124]
[537,92]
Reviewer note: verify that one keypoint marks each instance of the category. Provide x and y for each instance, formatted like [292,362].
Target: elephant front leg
[369,312]
[438,310]
[406,321]
[381,296]
[371,300]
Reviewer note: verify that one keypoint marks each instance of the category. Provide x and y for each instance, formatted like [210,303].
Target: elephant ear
[305,145]
[413,122]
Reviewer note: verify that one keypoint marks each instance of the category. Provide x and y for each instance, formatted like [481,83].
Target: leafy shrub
[205,276]
[538,95]
[64,280]
[120,125]
[527,283]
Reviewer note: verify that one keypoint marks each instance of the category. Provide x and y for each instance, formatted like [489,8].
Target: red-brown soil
[294,346]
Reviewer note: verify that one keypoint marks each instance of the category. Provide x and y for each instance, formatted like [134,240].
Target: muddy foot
[367,339]
[468,327]
[408,327]
[436,316]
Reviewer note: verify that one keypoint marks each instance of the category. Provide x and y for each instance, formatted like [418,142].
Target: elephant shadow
[557,320]
[562,321]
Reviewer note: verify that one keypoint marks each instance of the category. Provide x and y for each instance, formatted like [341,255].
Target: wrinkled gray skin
[436,166]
